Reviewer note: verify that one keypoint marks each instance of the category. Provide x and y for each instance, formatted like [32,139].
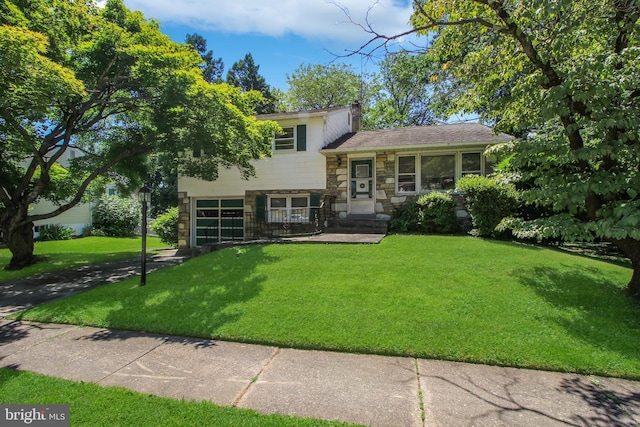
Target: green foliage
[116,216]
[245,74]
[404,218]
[436,213]
[55,232]
[106,82]
[314,87]
[488,202]
[406,90]
[166,227]
[211,68]
[430,213]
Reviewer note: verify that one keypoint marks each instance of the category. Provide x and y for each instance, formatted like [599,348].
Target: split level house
[324,172]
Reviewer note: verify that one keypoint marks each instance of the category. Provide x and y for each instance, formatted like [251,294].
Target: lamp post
[144,195]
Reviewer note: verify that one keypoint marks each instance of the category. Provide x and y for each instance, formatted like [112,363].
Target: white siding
[77,217]
[337,124]
[283,171]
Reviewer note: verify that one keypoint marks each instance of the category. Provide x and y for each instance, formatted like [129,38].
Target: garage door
[219,220]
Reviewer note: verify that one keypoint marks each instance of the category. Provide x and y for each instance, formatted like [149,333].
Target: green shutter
[261,208]
[301,138]
[314,206]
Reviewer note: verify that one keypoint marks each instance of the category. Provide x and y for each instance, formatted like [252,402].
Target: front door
[362,188]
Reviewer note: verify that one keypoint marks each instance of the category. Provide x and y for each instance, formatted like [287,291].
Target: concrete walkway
[365,389]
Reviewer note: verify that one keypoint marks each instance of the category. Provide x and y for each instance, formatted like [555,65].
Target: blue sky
[280,34]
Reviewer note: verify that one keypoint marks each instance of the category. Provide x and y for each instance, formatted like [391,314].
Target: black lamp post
[144,195]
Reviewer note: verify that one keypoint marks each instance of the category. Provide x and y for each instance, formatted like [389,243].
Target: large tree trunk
[631,249]
[19,239]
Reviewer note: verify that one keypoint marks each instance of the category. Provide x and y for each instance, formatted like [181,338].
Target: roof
[419,137]
[299,114]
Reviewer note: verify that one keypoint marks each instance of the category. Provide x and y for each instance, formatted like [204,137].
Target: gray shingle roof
[419,137]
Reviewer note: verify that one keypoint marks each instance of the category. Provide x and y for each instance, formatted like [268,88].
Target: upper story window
[286,140]
[293,138]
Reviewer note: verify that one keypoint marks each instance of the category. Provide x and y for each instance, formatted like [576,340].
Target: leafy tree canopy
[245,74]
[406,91]
[315,87]
[109,84]
[212,68]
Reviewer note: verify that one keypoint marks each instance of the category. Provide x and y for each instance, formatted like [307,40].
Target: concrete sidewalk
[364,389]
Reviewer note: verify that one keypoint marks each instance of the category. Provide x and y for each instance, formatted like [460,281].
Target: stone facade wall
[386,183]
[337,183]
[386,198]
[184,219]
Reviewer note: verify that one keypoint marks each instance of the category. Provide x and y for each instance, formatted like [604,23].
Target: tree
[407,87]
[212,69]
[569,70]
[315,87]
[244,74]
[108,83]
[163,182]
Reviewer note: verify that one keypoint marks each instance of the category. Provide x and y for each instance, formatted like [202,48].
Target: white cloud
[312,19]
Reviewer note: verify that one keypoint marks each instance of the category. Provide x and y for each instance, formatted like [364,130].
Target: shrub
[488,202]
[436,213]
[55,232]
[116,216]
[166,227]
[404,218]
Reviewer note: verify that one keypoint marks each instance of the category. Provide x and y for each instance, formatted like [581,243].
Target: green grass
[93,405]
[62,254]
[452,298]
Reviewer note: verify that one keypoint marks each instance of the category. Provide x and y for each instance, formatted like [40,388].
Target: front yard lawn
[453,298]
[62,254]
[93,405]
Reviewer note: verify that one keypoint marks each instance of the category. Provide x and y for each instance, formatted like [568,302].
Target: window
[293,138]
[428,172]
[471,164]
[406,174]
[438,172]
[286,140]
[288,208]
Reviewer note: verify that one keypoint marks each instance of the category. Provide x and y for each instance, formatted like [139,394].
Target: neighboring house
[78,217]
[323,170]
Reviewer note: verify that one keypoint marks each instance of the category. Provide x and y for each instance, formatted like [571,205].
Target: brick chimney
[356,116]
